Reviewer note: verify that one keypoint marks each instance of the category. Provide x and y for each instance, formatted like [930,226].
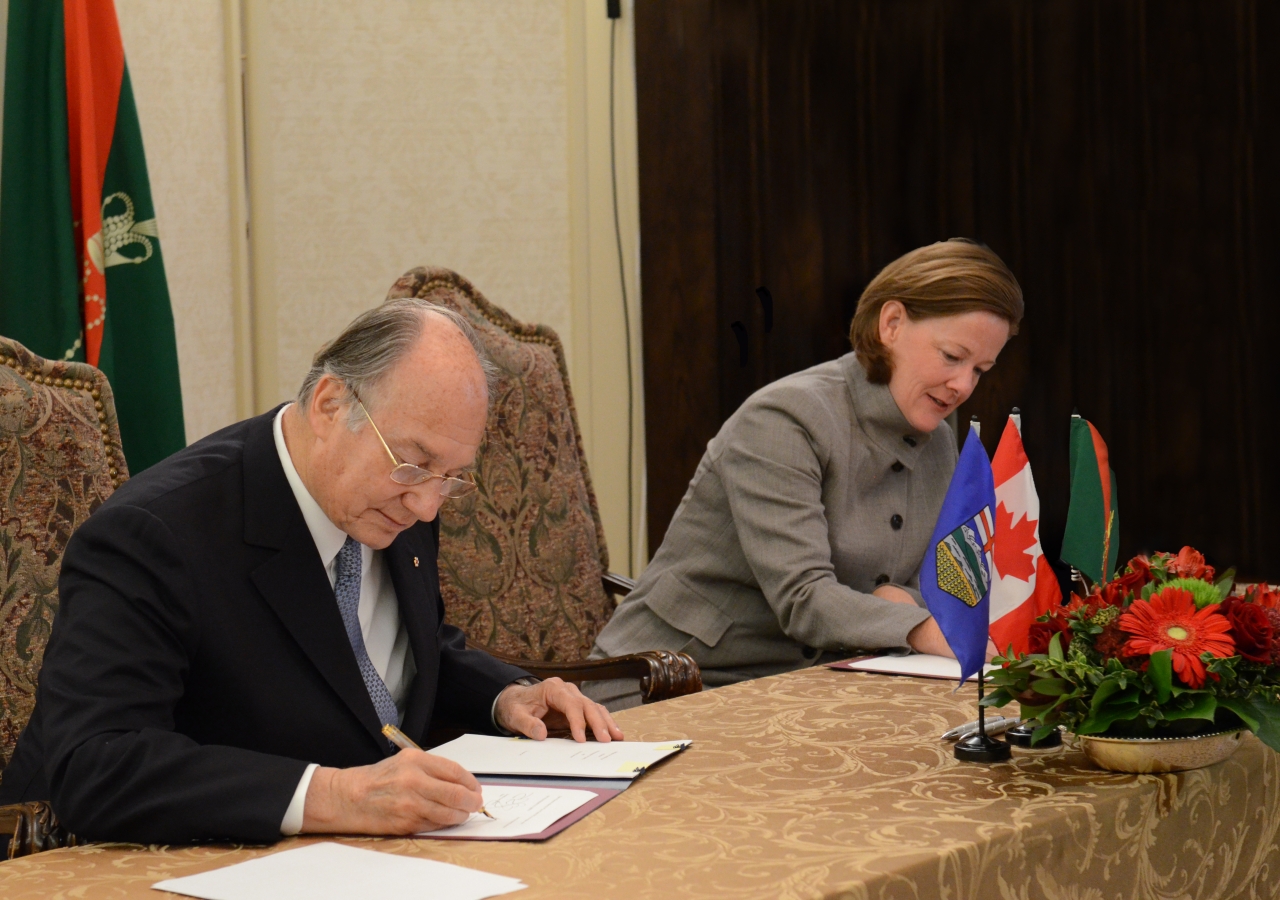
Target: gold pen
[404,742]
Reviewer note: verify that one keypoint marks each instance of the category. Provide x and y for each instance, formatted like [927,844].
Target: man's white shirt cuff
[292,823]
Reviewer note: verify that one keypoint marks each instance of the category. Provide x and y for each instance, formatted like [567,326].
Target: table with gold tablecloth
[824,783]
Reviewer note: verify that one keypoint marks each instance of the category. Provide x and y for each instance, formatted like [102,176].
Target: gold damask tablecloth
[833,784]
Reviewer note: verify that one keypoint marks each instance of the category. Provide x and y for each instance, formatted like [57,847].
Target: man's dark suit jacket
[199,662]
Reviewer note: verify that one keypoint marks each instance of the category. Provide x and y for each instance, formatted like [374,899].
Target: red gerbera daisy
[1170,621]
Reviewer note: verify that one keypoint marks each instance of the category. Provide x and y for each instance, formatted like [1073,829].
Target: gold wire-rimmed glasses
[451,488]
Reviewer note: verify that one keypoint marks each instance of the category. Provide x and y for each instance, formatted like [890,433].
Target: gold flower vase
[1160,754]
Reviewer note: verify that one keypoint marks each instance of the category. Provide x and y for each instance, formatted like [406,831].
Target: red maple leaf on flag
[1015,541]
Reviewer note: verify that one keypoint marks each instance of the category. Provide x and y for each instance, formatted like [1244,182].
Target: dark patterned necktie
[346,588]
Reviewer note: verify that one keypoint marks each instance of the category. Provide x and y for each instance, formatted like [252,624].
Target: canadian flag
[1023,585]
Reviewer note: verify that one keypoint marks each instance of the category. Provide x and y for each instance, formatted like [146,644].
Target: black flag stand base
[981,748]
[1020,736]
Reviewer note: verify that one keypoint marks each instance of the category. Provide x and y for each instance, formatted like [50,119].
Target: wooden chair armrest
[663,674]
[616,585]
[32,827]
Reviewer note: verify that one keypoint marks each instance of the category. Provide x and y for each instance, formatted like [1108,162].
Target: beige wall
[175,53]
[386,134]
[382,135]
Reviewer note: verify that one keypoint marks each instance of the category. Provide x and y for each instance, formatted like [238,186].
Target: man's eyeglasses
[451,488]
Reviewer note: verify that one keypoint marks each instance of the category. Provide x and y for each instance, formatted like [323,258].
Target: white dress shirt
[386,642]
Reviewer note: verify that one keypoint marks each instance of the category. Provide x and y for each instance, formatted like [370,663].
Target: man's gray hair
[371,346]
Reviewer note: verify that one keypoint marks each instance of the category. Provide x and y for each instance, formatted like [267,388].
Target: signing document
[557,757]
[518,810]
[328,871]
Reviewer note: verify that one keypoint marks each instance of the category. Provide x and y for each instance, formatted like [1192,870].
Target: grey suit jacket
[815,491]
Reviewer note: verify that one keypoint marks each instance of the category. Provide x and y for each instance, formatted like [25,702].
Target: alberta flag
[1023,584]
[955,576]
[81,270]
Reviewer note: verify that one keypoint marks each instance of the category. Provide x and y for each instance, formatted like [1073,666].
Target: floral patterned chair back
[60,458]
[522,559]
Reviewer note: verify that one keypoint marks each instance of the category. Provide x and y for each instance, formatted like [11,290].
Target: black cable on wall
[613,8]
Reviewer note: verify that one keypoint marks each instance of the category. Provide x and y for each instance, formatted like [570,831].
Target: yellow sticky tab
[671,748]
[628,768]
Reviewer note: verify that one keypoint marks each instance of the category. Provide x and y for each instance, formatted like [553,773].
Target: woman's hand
[894,593]
[922,637]
[927,638]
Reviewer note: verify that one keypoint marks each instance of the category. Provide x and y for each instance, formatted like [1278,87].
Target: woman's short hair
[943,279]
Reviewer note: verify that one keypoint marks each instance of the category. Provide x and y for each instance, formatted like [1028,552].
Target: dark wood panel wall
[1120,155]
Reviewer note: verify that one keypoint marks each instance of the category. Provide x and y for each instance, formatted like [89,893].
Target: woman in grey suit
[801,535]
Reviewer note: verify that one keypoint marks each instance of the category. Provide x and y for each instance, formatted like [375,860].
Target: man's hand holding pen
[410,792]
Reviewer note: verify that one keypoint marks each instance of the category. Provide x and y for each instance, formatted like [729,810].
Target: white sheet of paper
[329,871]
[518,810]
[488,755]
[922,665]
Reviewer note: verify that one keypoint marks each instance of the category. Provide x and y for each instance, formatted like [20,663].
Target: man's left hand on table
[532,709]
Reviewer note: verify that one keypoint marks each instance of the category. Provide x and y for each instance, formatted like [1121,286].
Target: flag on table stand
[81,272]
[1023,585]
[955,576]
[1092,537]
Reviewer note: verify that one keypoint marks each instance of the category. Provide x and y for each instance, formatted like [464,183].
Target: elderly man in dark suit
[239,622]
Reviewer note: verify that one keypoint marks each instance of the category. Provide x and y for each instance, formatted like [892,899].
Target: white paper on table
[921,665]
[329,871]
[518,810]
[488,755]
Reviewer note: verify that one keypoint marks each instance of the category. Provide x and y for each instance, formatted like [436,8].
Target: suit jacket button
[896,521]
[898,466]
[882,579]
[415,562]
[911,442]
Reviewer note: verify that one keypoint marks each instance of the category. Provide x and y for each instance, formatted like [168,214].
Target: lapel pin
[415,562]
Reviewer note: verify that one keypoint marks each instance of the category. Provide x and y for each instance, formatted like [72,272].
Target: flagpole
[1077,578]
[981,747]
[1020,735]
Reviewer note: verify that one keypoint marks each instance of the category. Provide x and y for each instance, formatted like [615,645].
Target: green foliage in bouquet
[1163,650]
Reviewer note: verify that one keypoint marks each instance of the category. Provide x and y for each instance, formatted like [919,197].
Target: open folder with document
[558,757]
[918,665]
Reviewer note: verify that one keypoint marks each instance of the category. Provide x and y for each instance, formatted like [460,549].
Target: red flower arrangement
[1161,649]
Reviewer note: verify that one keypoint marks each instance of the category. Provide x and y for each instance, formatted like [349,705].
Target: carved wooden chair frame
[663,674]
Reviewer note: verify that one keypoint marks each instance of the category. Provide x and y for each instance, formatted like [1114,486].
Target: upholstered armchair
[60,458]
[524,568]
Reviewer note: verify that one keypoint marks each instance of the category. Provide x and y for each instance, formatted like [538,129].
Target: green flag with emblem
[81,268]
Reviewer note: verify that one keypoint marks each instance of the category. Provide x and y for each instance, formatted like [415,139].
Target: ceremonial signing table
[823,783]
